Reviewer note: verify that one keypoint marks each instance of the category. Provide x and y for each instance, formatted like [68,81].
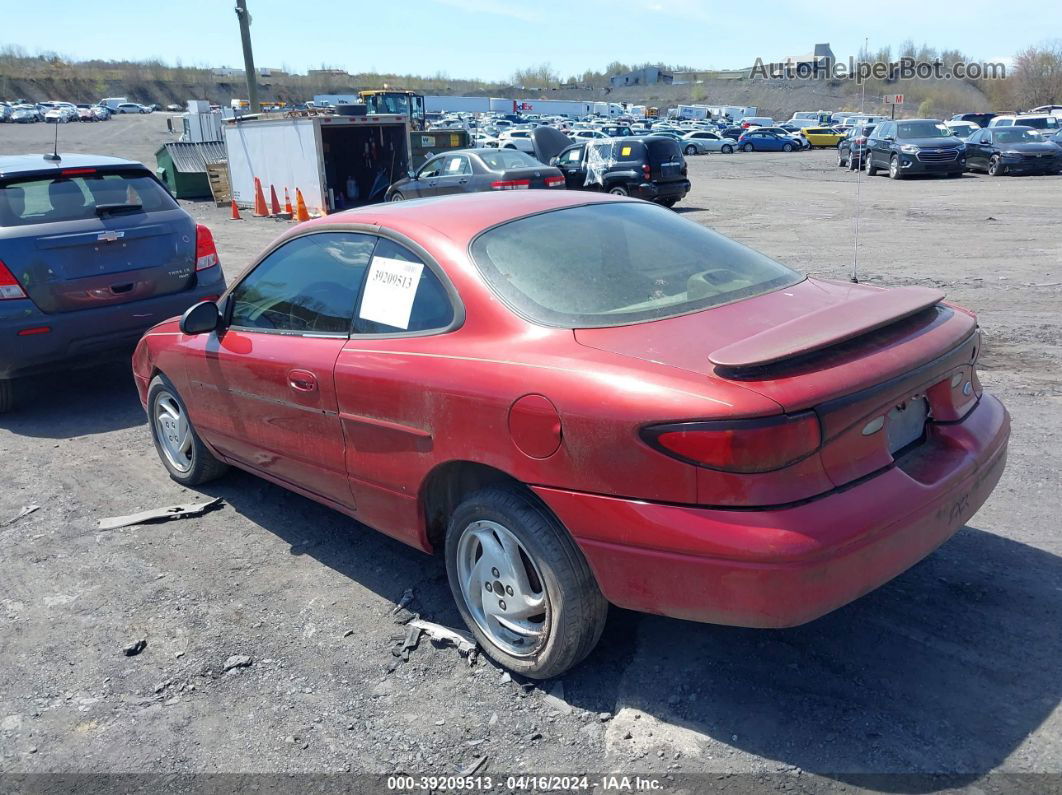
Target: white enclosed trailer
[335,161]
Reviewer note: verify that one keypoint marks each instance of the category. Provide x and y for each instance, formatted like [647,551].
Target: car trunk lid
[860,355]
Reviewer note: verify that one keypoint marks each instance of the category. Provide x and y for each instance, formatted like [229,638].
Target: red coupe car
[584,400]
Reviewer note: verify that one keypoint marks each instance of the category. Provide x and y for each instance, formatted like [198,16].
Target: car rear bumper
[88,335]
[655,191]
[785,566]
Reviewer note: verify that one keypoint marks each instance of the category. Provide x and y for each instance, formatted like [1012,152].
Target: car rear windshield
[503,159]
[90,193]
[616,264]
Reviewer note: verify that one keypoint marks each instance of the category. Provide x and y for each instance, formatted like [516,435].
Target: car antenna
[55,146]
[859,171]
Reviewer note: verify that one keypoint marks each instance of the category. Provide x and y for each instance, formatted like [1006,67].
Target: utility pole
[248,58]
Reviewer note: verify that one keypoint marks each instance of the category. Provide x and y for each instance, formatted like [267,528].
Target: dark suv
[914,146]
[647,167]
[93,251]
[851,148]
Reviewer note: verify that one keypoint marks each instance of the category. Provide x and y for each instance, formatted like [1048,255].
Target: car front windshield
[1016,135]
[616,264]
[922,129]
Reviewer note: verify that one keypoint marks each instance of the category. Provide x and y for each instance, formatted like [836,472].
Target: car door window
[432,168]
[402,294]
[456,165]
[572,156]
[307,286]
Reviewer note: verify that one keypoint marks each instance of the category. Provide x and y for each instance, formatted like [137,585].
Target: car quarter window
[401,294]
[309,285]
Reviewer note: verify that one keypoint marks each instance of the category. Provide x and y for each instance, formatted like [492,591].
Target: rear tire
[690,150]
[186,458]
[668,202]
[747,148]
[619,190]
[870,168]
[536,562]
[841,162]
[7,395]
[397,196]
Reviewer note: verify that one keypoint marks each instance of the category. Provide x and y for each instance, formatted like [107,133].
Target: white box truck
[335,161]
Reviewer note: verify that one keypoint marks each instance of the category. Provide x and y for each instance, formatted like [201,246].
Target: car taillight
[9,286]
[860,140]
[647,174]
[554,182]
[743,446]
[206,253]
[510,184]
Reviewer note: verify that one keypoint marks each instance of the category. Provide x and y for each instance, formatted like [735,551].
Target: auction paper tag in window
[390,290]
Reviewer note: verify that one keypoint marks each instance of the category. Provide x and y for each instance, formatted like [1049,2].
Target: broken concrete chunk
[25,511]
[238,661]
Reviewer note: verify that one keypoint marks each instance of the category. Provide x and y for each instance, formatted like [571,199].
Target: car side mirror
[411,174]
[200,318]
[553,161]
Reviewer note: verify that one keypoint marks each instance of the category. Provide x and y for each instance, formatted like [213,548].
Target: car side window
[401,294]
[986,137]
[572,155]
[431,169]
[456,165]
[309,285]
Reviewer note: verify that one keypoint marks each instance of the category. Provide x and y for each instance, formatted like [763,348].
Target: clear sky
[489,39]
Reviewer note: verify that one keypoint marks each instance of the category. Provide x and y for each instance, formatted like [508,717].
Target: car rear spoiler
[825,328]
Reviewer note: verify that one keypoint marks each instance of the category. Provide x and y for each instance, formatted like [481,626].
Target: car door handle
[462,182]
[302,381]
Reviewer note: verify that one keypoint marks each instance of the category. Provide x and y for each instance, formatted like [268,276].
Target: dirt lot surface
[954,667]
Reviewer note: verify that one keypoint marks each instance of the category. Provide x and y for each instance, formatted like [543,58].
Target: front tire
[727,149]
[996,167]
[521,584]
[787,147]
[182,452]
[895,171]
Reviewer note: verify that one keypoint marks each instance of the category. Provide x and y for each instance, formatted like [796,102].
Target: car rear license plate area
[905,423]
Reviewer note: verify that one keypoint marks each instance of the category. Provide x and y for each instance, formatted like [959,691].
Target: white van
[112,103]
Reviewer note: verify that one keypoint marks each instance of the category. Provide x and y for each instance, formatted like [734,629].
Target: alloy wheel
[503,588]
[173,431]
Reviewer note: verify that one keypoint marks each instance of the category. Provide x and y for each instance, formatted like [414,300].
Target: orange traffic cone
[260,209]
[274,202]
[288,211]
[235,212]
[301,213]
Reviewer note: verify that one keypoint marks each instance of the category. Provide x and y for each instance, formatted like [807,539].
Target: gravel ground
[954,667]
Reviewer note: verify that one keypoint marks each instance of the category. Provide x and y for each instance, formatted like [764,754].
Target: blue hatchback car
[93,251]
[766,141]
